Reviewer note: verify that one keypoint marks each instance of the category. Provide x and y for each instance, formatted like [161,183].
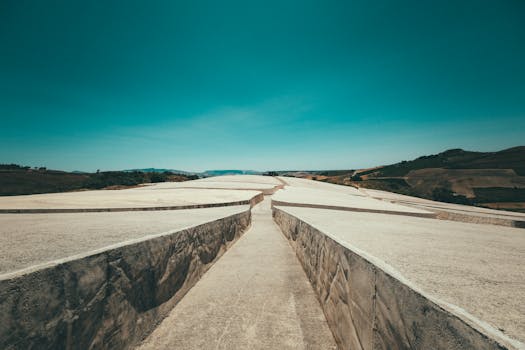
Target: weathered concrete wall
[477,219]
[257,199]
[369,308]
[271,191]
[114,298]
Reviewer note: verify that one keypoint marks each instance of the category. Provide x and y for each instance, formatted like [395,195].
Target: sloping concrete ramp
[255,297]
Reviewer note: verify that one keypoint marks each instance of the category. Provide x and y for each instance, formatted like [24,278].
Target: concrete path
[255,297]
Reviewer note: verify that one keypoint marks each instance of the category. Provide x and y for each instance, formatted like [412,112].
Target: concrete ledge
[253,201]
[364,210]
[265,191]
[111,298]
[368,305]
[451,211]
[477,219]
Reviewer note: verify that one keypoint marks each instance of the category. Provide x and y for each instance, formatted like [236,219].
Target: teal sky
[196,85]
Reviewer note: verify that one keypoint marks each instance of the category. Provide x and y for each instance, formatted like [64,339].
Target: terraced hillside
[490,179]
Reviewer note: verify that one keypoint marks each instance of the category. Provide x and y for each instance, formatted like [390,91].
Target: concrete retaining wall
[369,307]
[488,219]
[113,298]
[475,219]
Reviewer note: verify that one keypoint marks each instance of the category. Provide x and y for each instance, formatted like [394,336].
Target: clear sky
[262,85]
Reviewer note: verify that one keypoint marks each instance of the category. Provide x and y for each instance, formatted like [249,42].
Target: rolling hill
[491,179]
[19,180]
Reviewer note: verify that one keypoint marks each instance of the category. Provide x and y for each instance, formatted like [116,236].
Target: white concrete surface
[480,268]
[305,183]
[32,239]
[315,197]
[232,185]
[259,179]
[130,198]
[257,296]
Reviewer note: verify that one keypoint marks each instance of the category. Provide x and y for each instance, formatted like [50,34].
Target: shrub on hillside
[442,194]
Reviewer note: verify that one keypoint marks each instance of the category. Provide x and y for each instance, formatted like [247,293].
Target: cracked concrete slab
[325,186]
[226,185]
[478,268]
[381,280]
[130,199]
[309,197]
[113,297]
[32,239]
[245,179]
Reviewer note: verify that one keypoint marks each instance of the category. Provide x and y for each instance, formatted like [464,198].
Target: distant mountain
[209,173]
[18,180]
[512,158]
[157,170]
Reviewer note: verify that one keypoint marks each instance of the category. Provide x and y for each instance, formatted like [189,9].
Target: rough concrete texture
[325,186]
[454,212]
[391,282]
[245,179]
[309,197]
[113,298]
[255,297]
[27,240]
[233,185]
[127,200]
[266,184]
[384,281]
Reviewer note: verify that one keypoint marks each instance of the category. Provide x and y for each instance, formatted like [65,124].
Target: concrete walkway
[255,297]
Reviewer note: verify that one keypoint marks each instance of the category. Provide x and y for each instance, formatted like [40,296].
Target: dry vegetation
[18,180]
[492,179]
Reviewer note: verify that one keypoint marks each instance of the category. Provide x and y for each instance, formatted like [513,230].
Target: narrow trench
[255,296]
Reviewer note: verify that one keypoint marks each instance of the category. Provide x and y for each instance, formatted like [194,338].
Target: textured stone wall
[257,199]
[367,307]
[112,299]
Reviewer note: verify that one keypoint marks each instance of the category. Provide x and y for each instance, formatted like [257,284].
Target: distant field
[28,182]
[499,194]
[18,180]
[463,181]
[512,206]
